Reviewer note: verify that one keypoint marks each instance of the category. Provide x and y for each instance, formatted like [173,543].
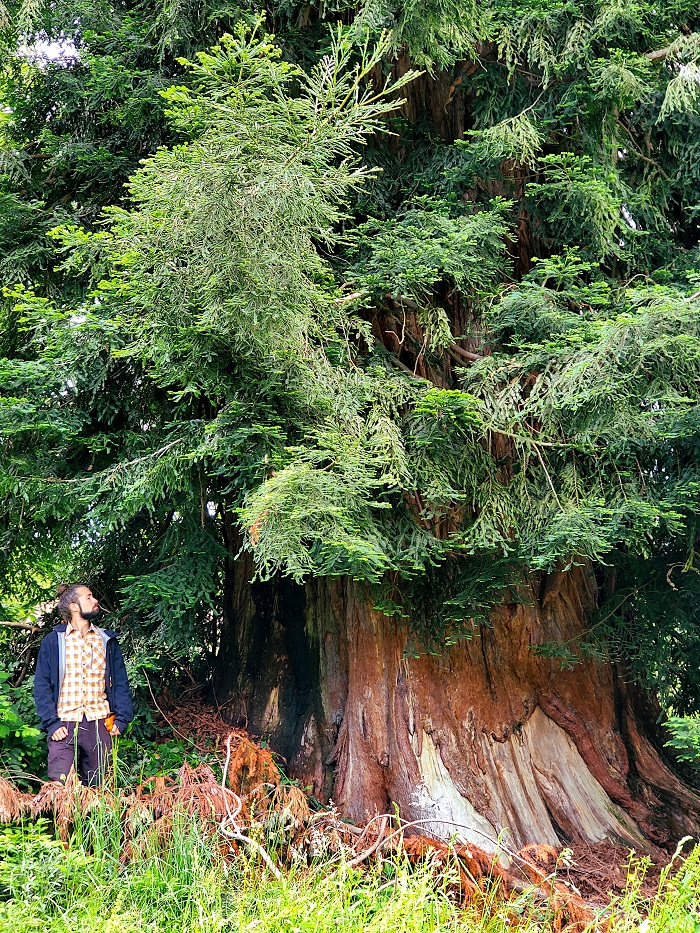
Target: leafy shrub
[138,761]
[21,747]
[34,865]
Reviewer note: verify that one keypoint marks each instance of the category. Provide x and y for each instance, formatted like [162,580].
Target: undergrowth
[190,883]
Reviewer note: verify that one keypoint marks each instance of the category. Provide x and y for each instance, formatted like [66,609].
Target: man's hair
[67,594]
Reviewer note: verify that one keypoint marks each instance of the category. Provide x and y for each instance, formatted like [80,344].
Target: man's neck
[80,624]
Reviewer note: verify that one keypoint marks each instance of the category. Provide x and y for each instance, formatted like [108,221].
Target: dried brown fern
[250,765]
[200,793]
[474,866]
[13,803]
[261,804]
[61,800]
[287,798]
[570,913]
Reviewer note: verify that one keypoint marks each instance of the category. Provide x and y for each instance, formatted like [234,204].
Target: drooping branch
[404,302]
[408,370]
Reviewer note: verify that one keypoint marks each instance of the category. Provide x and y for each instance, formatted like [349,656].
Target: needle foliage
[262,293]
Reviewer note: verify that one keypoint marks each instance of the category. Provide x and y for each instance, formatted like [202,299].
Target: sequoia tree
[371,401]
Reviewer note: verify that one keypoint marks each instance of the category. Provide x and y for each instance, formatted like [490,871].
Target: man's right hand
[59,734]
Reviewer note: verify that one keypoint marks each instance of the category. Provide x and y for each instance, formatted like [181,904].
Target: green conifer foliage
[433,360]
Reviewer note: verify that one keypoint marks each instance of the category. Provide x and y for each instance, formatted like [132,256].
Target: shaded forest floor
[218,849]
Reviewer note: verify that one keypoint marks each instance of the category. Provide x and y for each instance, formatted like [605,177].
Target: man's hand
[59,734]
[111,726]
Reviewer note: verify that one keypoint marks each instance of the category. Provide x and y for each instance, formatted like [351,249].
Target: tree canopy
[403,292]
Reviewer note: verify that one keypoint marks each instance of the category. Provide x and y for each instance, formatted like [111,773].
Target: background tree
[390,438]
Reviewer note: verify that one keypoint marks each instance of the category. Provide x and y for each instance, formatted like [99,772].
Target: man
[81,689]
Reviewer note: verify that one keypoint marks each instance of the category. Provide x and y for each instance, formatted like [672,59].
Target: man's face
[87,605]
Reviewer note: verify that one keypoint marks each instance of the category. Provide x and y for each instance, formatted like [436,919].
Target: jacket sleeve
[44,689]
[122,706]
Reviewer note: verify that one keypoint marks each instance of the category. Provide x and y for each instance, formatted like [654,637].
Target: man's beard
[90,616]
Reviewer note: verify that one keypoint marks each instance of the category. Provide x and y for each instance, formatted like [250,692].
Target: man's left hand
[115,731]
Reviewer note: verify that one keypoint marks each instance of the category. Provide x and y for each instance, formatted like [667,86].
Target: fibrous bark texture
[489,739]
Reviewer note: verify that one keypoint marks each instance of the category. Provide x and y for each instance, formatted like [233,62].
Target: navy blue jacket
[50,668]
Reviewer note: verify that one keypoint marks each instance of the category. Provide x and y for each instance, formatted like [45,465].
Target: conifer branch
[531,440]
[632,148]
[549,478]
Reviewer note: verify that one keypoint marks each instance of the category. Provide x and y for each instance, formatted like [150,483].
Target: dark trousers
[86,747]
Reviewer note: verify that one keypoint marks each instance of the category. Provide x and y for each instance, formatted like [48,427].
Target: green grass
[186,886]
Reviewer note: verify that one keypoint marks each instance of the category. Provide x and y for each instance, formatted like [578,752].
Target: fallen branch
[246,840]
[446,822]
[231,817]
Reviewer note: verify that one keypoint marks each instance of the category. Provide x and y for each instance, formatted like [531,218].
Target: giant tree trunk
[489,738]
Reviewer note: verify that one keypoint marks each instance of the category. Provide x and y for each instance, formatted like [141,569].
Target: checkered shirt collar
[71,628]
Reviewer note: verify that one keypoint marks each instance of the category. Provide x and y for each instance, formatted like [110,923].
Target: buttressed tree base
[486,739]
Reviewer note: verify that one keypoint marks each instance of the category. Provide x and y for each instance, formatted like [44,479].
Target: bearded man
[81,689]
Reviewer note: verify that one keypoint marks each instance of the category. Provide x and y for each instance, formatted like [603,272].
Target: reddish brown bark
[489,734]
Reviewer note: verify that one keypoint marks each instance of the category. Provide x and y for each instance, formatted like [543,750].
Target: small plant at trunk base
[140,761]
[676,906]
[686,738]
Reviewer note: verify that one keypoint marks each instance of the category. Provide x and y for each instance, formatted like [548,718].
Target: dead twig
[353,863]
[467,354]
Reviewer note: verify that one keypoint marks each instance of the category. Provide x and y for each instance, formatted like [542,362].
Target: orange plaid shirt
[83,688]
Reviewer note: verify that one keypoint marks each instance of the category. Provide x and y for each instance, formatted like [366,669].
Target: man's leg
[62,754]
[95,744]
